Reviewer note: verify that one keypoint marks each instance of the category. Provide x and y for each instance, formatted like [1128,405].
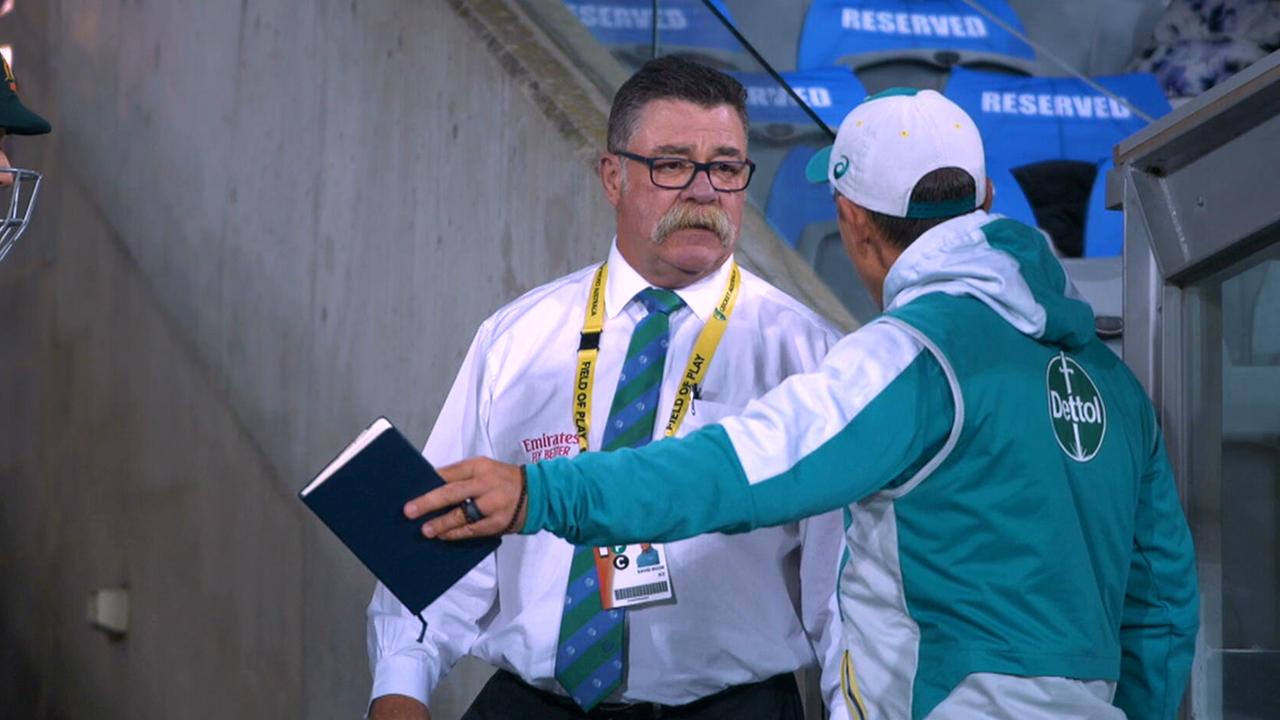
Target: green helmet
[20,187]
[15,118]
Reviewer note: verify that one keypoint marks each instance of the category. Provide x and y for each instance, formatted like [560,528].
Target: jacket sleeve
[878,404]
[399,662]
[1161,609]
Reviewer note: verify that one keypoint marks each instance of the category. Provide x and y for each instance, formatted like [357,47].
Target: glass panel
[1250,493]
[783,135]
[830,54]
[833,53]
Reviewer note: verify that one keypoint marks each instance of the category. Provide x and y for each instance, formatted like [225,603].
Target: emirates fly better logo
[1075,408]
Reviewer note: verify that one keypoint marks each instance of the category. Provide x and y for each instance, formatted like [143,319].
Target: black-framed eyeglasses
[677,173]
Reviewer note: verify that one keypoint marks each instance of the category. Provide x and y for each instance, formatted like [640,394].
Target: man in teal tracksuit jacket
[1016,548]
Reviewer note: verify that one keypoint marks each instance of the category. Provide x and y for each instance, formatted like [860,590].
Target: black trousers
[507,697]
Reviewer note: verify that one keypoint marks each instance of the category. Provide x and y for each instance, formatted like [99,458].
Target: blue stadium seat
[1009,199]
[795,203]
[830,92]
[1103,228]
[685,27]
[1030,120]
[859,33]
[804,215]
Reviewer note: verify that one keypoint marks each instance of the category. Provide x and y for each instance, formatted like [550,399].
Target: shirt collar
[624,282]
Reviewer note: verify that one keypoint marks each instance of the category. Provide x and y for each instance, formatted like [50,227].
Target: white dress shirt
[746,607]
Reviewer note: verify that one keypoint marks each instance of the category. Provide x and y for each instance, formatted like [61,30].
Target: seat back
[685,27]
[776,117]
[941,32]
[1103,228]
[1009,199]
[1030,120]
[794,203]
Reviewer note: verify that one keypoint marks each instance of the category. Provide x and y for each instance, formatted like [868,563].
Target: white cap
[892,140]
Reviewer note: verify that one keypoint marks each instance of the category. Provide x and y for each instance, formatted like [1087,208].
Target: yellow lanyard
[694,371]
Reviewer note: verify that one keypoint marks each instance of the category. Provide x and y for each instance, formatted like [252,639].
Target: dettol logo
[1075,408]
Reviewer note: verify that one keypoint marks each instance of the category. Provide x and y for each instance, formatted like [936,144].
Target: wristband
[524,491]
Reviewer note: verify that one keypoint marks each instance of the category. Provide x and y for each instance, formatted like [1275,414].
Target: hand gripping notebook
[361,497]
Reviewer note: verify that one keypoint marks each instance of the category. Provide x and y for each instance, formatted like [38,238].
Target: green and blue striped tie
[590,655]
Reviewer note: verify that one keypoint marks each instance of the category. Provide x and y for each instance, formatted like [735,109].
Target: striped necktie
[590,655]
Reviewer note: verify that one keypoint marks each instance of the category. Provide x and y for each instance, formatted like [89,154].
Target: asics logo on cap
[841,167]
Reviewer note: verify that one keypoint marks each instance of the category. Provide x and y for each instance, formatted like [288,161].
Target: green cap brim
[16,119]
[942,209]
[817,169]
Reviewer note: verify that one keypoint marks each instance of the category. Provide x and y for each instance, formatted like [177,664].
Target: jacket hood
[1003,263]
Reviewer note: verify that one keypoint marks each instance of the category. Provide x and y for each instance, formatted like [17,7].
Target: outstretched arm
[879,406]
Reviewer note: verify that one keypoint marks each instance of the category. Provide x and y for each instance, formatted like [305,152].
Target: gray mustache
[688,216]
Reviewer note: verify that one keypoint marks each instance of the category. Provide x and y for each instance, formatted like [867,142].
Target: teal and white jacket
[1010,509]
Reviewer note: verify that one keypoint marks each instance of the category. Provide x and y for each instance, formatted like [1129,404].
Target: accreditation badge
[632,575]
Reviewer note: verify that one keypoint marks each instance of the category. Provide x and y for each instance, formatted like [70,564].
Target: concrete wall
[264,224]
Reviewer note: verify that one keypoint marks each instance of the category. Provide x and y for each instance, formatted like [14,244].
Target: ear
[852,218]
[852,221]
[991,196]
[611,177]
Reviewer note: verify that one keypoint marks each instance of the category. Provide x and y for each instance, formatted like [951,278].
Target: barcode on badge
[638,590]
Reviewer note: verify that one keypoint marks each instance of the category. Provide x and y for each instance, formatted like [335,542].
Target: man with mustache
[666,336]
[1017,546]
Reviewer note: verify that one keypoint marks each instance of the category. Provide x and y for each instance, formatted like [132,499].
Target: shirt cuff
[399,675]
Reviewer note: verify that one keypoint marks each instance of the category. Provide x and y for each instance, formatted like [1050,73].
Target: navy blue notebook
[361,497]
